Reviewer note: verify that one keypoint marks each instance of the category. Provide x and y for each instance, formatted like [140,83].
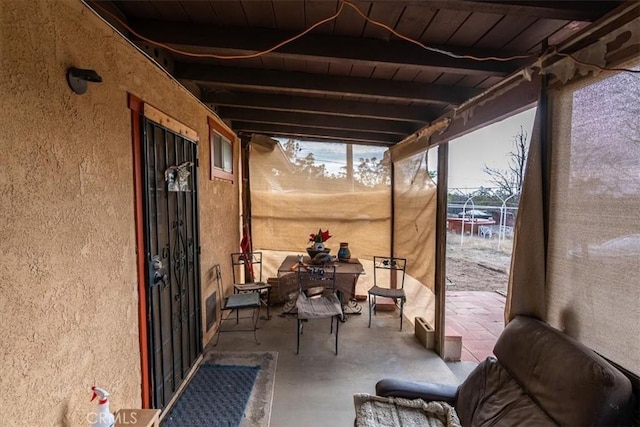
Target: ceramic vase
[344,253]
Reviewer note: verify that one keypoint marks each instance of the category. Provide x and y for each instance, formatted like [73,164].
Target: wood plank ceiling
[348,79]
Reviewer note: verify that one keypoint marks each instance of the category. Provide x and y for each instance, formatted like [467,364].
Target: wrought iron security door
[172,250]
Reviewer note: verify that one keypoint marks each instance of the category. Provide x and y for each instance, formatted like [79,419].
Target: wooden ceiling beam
[319,84]
[508,102]
[199,38]
[564,10]
[317,121]
[303,132]
[303,104]
[312,138]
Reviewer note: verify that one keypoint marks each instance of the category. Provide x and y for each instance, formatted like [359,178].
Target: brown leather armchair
[540,377]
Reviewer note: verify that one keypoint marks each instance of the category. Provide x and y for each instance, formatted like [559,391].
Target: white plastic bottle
[103,417]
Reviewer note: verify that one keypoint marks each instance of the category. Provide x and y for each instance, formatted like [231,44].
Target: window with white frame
[221,145]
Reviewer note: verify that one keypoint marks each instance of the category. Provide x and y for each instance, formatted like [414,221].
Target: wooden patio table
[347,273]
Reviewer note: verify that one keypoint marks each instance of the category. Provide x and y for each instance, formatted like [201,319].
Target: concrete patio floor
[316,387]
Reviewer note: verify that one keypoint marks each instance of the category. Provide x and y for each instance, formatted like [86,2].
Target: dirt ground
[477,264]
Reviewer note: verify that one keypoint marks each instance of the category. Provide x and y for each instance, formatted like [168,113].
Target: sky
[334,154]
[467,155]
[489,146]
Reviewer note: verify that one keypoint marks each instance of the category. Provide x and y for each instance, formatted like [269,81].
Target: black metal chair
[317,298]
[248,263]
[237,302]
[386,270]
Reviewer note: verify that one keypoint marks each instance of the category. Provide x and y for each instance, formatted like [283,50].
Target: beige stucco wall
[68,290]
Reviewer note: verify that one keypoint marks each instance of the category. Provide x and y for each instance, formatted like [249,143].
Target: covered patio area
[148,140]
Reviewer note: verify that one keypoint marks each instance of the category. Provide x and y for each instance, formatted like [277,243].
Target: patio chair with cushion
[251,263]
[387,284]
[317,298]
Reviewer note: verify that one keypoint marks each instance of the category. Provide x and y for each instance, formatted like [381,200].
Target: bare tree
[509,181]
[306,165]
[369,172]
[372,172]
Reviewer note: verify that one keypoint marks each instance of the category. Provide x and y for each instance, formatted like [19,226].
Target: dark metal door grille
[172,248]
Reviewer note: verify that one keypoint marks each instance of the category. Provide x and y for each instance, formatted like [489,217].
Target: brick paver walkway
[478,317]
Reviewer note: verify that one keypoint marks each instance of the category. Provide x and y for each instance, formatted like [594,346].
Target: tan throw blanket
[375,411]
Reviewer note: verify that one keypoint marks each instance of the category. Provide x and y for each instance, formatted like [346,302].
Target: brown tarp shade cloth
[287,206]
[593,257]
[586,284]
[415,217]
[526,290]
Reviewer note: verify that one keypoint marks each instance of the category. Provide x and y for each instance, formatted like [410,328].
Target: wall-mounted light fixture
[77,79]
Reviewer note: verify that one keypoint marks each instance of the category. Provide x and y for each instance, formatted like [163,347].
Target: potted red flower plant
[317,240]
